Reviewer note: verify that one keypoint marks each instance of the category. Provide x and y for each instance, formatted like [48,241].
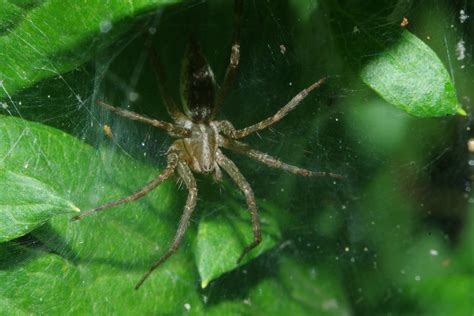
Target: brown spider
[200,137]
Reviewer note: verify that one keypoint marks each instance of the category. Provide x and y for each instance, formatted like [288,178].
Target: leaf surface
[34,44]
[109,252]
[26,203]
[222,237]
[410,76]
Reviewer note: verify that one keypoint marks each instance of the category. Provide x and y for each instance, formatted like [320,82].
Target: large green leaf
[41,283]
[113,249]
[26,203]
[409,75]
[35,282]
[47,38]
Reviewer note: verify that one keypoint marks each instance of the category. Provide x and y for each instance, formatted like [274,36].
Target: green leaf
[304,9]
[295,288]
[26,203]
[35,282]
[410,76]
[464,250]
[107,254]
[316,287]
[222,237]
[446,290]
[388,135]
[35,46]
[112,249]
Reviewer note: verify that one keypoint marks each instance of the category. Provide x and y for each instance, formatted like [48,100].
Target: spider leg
[166,173]
[185,173]
[230,167]
[158,69]
[228,130]
[234,57]
[273,162]
[171,128]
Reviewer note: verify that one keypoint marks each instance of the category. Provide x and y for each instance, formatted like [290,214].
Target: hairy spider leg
[233,60]
[186,174]
[230,167]
[166,173]
[169,127]
[158,69]
[228,129]
[273,162]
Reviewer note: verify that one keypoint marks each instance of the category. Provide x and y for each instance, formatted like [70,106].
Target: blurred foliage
[396,237]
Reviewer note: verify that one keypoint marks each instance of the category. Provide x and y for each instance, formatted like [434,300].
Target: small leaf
[26,203]
[222,238]
[410,76]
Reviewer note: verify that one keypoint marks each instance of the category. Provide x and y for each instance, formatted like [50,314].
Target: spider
[200,137]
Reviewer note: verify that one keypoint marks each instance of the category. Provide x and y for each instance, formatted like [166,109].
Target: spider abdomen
[197,85]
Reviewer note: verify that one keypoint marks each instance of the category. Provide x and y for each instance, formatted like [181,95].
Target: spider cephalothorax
[200,138]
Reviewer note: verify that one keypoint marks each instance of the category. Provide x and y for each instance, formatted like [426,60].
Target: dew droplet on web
[105,26]
[133,96]
[463,16]
[461,50]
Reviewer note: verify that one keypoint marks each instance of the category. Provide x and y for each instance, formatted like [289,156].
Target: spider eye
[197,84]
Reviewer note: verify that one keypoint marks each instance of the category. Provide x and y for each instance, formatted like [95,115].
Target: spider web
[406,177]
